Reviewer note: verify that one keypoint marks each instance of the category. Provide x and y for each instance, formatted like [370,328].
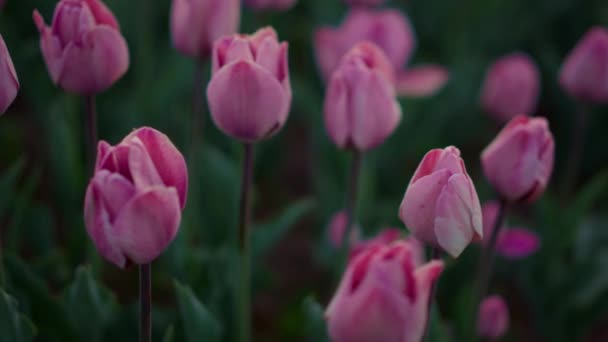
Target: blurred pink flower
[9,83]
[278,5]
[384,237]
[133,203]
[337,229]
[83,48]
[383,296]
[511,87]
[493,320]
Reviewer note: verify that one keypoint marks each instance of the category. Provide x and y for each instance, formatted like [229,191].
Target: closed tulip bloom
[279,5]
[133,203]
[493,320]
[383,296]
[519,162]
[9,84]
[512,242]
[361,110]
[249,93]
[196,24]
[511,87]
[584,74]
[440,206]
[83,48]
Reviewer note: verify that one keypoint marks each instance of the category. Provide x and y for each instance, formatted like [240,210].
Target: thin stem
[435,254]
[90,120]
[244,219]
[351,205]
[145,299]
[198,111]
[575,154]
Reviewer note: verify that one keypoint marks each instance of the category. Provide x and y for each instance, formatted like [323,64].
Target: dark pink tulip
[493,320]
[361,110]
[337,230]
[584,73]
[383,296]
[519,162]
[364,2]
[83,48]
[511,87]
[133,203]
[511,243]
[249,93]
[440,206]
[9,84]
[279,5]
[196,24]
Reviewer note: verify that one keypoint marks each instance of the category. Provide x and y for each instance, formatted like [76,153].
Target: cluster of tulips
[138,187]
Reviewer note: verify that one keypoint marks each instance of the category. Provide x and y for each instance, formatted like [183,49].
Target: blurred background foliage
[56,287]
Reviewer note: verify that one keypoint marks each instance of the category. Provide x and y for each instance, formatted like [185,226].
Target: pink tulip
[250,94]
[440,206]
[337,230]
[364,2]
[9,84]
[361,110]
[511,243]
[279,5]
[493,320]
[83,49]
[392,32]
[133,203]
[196,24]
[511,87]
[384,237]
[383,296]
[519,162]
[584,74]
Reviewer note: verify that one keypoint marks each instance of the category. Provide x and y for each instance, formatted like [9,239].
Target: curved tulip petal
[421,81]
[102,14]
[9,84]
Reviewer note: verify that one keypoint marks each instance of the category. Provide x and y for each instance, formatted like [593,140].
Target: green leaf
[315,320]
[14,326]
[265,236]
[169,334]
[90,305]
[199,324]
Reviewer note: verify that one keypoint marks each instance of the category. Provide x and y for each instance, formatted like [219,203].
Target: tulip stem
[90,121]
[351,206]
[244,219]
[575,154]
[435,255]
[145,299]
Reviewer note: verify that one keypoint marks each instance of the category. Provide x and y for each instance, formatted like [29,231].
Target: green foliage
[14,326]
[199,324]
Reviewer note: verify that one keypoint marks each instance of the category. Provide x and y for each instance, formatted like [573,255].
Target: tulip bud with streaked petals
[584,74]
[519,162]
[196,24]
[511,87]
[9,84]
[440,206]
[83,48]
[278,5]
[383,296]
[249,93]
[493,320]
[361,110]
[133,203]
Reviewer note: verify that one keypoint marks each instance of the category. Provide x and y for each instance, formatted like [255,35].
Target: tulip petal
[336,111]
[102,14]
[114,191]
[517,243]
[421,81]
[9,84]
[147,224]
[143,171]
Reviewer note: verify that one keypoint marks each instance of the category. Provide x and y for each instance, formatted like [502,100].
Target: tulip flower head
[519,162]
[584,73]
[511,87]
[196,24]
[9,84]
[277,5]
[383,296]
[133,203]
[440,206]
[249,93]
[493,320]
[83,48]
[361,109]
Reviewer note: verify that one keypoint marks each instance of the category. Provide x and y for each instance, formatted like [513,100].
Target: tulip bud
[519,162]
[249,93]
[196,24]
[511,243]
[493,320]
[279,5]
[9,84]
[133,203]
[361,110]
[511,87]
[337,230]
[440,206]
[383,296]
[83,49]
[364,2]
[585,71]
[384,237]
